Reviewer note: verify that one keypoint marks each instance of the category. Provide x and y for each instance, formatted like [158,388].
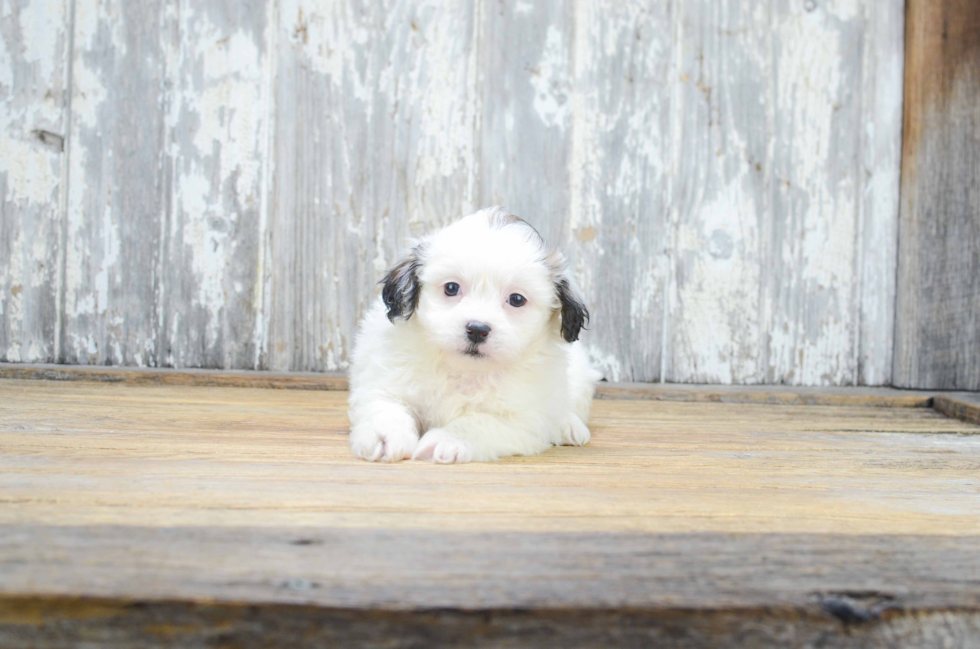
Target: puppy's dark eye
[516,299]
[452,288]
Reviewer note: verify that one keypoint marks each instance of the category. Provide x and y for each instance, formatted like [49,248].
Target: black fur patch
[402,287]
[574,313]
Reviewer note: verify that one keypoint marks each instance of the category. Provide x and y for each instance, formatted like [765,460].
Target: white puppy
[473,345]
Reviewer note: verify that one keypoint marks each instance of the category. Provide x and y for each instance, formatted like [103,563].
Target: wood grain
[218,105]
[362,588]
[198,516]
[772,280]
[618,235]
[936,340]
[117,200]
[763,394]
[965,407]
[240,176]
[91,453]
[375,123]
[34,51]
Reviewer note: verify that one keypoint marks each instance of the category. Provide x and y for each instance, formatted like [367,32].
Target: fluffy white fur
[420,389]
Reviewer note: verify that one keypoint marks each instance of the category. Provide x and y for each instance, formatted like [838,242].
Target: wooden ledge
[184,377]
[314,588]
[761,394]
[964,406]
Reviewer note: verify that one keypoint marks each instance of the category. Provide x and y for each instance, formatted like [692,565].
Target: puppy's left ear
[402,286]
[574,313]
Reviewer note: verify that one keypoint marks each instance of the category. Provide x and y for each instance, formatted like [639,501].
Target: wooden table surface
[207,516]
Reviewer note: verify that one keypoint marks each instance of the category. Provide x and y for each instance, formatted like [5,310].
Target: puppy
[471,352]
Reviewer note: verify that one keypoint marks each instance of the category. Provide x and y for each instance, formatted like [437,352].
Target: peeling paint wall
[215,184]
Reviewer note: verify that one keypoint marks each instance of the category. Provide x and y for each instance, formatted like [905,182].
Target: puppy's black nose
[477,332]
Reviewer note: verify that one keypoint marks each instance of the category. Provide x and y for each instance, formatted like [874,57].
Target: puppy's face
[485,288]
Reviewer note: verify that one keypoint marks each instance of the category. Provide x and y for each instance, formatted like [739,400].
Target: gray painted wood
[218,121]
[374,143]
[118,184]
[773,207]
[937,338]
[34,45]
[722,176]
[617,225]
[880,161]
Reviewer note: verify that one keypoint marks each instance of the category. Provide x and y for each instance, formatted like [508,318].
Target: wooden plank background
[938,336]
[213,184]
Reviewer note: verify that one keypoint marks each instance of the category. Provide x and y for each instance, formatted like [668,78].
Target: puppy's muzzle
[477,332]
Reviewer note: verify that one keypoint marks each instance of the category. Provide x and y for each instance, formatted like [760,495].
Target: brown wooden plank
[937,342]
[91,453]
[965,407]
[763,394]
[321,587]
[166,376]
[187,515]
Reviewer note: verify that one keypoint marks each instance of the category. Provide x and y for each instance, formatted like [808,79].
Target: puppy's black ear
[401,285]
[574,313]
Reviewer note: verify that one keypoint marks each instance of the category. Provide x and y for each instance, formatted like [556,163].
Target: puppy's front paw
[574,432]
[440,446]
[377,441]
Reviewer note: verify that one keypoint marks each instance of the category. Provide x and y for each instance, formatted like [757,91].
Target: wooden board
[764,394]
[117,201]
[237,178]
[937,338]
[197,516]
[965,407]
[369,588]
[218,100]
[239,456]
[34,87]
[772,280]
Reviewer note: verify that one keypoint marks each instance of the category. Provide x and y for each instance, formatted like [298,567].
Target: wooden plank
[169,130]
[937,341]
[314,588]
[767,394]
[772,218]
[818,182]
[879,172]
[34,46]
[118,197]
[617,224]
[375,141]
[218,118]
[965,407]
[166,376]
[527,112]
[111,454]
[177,516]
[241,181]
[720,198]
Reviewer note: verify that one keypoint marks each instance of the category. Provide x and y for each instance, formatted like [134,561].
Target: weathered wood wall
[938,336]
[221,184]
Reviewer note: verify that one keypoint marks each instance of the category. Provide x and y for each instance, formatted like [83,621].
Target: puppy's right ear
[401,285]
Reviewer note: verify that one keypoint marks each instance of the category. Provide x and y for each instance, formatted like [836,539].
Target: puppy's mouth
[473,352]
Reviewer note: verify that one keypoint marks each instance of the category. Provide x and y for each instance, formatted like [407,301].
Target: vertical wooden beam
[117,196]
[937,334]
[34,39]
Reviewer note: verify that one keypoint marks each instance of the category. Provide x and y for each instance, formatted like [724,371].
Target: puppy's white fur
[414,372]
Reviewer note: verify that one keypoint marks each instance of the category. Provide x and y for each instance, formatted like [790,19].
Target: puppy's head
[485,288]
